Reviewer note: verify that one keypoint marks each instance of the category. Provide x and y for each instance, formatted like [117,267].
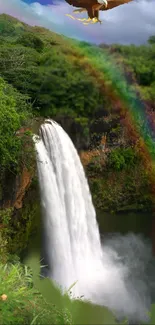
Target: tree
[31,40]
[151,40]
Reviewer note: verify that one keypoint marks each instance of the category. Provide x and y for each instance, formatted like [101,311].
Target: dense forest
[101,95]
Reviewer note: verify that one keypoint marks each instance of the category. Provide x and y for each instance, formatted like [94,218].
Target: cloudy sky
[126,24]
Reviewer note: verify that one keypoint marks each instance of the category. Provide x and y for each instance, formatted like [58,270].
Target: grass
[21,303]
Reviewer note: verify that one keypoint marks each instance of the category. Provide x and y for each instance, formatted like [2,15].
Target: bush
[122,158]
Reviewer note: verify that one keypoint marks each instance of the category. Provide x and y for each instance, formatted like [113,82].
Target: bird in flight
[92,7]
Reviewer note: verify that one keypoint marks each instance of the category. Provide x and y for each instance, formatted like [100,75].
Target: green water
[124,223]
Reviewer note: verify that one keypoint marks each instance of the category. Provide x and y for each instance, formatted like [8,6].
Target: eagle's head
[104,2]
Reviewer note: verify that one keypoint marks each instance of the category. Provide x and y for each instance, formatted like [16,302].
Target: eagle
[92,8]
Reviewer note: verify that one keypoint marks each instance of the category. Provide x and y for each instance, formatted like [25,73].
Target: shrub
[122,158]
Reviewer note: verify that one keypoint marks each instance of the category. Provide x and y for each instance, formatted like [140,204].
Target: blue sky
[42,2]
[126,24]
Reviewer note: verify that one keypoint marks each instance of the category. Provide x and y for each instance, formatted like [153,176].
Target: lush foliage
[18,227]
[14,111]
[122,158]
[120,190]
[26,299]
[21,303]
[134,59]
[48,72]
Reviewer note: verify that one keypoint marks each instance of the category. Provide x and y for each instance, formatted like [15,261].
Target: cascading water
[71,227]
[73,243]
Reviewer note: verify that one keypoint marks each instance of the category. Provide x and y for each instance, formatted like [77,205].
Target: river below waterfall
[125,222]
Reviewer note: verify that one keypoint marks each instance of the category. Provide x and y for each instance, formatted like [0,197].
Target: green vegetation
[21,303]
[121,190]
[122,158]
[89,90]
[14,111]
[37,64]
[26,299]
[84,88]
[134,60]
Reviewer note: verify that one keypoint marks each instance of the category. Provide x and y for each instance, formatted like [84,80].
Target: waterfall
[73,242]
[70,219]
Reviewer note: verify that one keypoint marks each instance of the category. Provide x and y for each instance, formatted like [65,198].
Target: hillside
[89,90]
[104,97]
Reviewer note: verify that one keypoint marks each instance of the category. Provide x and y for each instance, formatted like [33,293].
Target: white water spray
[72,236]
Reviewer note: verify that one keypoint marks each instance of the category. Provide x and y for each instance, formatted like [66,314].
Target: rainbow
[125,98]
[100,64]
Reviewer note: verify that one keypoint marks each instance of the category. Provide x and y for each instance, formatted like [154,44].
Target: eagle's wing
[116,3]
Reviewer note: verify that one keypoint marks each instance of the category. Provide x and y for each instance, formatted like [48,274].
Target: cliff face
[17,189]
[19,204]
[21,211]
[22,184]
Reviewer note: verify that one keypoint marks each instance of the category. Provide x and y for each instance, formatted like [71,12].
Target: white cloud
[129,23]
